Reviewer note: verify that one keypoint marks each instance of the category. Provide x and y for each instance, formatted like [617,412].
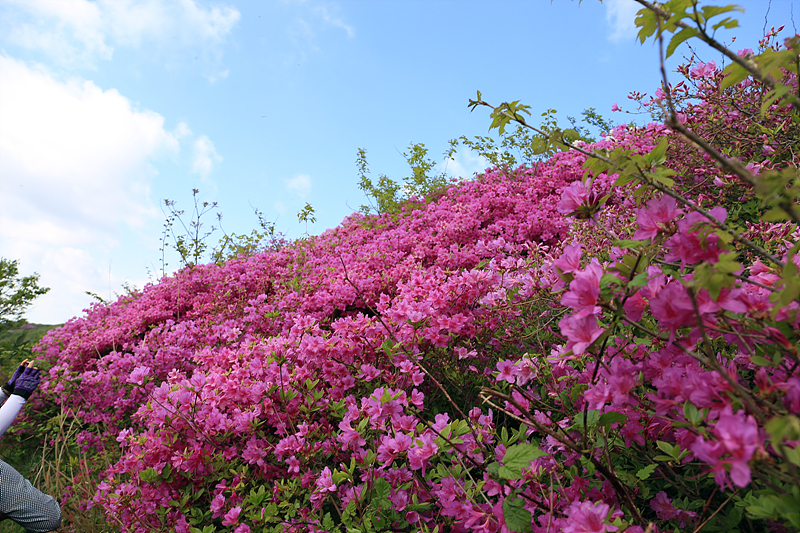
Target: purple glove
[27,382]
[9,387]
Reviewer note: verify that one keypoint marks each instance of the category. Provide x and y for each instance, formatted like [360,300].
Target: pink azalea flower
[369,372]
[635,306]
[664,509]
[507,370]
[424,448]
[588,517]
[662,505]
[673,308]
[232,516]
[580,332]
[583,291]
[325,481]
[615,107]
[570,259]
[737,438]
[138,375]
[573,197]
[294,465]
[704,70]
[216,505]
[655,216]
[687,246]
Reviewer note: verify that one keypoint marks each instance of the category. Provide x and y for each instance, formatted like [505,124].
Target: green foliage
[307,215]
[685,19]
[513,148]
[191,242]
[235,245]
[531,143]
[16,293]
[388,196]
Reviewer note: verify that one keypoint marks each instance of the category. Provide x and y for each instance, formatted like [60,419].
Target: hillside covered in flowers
[605,340]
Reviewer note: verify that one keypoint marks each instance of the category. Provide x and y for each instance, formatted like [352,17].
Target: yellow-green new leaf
[735,74]
[678,38]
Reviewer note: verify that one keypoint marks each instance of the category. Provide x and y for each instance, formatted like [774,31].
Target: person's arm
[5,393]
[24,384]
[23,503]
[9,411]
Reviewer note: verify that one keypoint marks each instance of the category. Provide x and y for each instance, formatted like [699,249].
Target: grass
[49,457]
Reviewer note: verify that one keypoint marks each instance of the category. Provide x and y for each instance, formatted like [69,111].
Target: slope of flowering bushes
[535,350]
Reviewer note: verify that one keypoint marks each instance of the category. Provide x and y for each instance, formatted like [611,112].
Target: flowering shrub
[604,341]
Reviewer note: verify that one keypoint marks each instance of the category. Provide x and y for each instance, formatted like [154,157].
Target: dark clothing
[25,504]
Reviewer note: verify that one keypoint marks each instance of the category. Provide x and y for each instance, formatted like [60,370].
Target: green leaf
[727,23]
[678,38]
[774,95]
[646,20]
[710,12]
[612,418]
[783,428]
[639,280]
[665,447]
[658,154]
[775,214]
[791,284]
[517,518]
[149,475]
[592,417]
[760,361]
[646,472]
[692,413]
[609,279]
[627,244]
[577,391]
[660,176]
[518,457]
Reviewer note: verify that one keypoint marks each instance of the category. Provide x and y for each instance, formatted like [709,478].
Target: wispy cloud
[333,20]
[205,157]
[465,164]
[81,33]
[620,15]
[310,22]
[299,185]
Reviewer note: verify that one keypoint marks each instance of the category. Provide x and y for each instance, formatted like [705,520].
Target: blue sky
[108,107]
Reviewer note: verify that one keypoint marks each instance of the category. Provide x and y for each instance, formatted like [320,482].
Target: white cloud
[311,21]
[465,164]
[620,15]
[218,76]
[70,31]
[181,130]
[82,32]
[300,185]
[76,163]
[205,157]
[333,20]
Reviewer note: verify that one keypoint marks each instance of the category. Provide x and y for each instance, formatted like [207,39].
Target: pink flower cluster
[344,370]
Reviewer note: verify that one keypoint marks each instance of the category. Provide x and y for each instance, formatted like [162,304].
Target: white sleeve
[9,411]
[3,396]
